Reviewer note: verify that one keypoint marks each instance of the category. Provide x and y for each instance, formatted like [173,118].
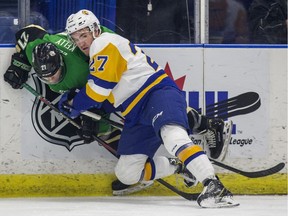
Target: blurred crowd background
[157,21]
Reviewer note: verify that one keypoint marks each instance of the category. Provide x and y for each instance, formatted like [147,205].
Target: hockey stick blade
[256,174]
[187,196]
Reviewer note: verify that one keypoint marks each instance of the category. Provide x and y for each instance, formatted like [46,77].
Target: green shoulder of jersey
[75,63]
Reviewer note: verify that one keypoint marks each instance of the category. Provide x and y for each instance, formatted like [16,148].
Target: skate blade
[133,189]
[225,202]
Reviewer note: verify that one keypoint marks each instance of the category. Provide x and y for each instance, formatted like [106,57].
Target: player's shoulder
[28,35]
[31,31]
[106,40]
[34,27]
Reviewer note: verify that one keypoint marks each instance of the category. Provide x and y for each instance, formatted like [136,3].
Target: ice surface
[138,206]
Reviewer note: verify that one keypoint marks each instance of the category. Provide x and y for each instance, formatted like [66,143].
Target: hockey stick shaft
[255,174]
[187,196]
[49,104]
[99,117]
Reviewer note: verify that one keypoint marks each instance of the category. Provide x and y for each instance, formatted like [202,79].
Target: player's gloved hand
[89,128]
[65,104]
[17,72]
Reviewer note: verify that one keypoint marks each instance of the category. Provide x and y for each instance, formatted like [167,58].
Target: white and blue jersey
[121,73]
[133,83]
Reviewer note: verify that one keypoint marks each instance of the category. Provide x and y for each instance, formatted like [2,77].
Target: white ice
[139,206]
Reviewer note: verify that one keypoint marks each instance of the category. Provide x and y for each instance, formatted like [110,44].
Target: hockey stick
[187,196]
[255,174]
[99,117]
[87,113]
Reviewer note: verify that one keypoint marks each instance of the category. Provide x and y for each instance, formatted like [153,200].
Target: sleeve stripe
[91,90]
[102,83]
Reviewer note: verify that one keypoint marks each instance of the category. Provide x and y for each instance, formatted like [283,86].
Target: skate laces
[216,189]
[211,138]
[214,133]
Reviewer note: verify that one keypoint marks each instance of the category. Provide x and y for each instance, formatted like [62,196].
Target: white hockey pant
[131,169]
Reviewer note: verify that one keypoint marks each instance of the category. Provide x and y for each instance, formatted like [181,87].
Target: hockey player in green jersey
[59,64]
[72,59]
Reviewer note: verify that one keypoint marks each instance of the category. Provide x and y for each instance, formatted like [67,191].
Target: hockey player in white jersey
[153,106]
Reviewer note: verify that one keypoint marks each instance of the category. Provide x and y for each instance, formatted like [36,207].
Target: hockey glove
[89,128]
[17,72]
[65,104]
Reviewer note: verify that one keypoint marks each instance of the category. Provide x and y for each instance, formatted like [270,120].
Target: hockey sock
[196,161]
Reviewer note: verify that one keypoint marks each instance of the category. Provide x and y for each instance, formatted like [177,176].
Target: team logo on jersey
[51,126]
[85,12]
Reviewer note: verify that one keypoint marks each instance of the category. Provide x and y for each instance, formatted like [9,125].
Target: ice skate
[189,178]
[215,195]
[217,137]
[120,189]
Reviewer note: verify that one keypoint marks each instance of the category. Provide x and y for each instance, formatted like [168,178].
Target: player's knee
[129,168]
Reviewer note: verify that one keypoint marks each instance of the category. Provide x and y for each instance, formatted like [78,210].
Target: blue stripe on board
[168,45]
[7,45]
[264,46]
